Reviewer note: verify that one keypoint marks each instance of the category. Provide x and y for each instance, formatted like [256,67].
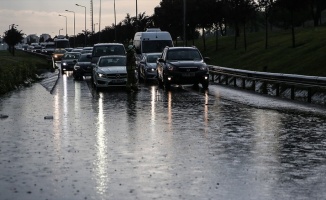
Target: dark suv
[182,65]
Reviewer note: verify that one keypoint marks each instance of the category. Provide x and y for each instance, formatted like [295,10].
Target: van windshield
[155,46]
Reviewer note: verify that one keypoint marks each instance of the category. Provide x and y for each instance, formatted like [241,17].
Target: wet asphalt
[73,142]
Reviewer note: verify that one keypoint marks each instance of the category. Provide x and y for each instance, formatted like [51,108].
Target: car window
[116,61]
[183,54]
[84,58]
[71,56]
[108,50]
[152,58]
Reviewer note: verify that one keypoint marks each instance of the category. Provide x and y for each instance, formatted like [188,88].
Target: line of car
[105,63]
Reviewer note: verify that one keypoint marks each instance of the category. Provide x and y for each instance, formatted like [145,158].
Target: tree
[290,14]
[266,6]
[13,37]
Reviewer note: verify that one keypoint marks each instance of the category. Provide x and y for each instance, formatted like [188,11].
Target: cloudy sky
[42,16]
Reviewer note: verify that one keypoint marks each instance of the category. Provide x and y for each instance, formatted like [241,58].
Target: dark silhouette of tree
[41,39]
[266,7]
[290,14]
[316,7]
[13,37]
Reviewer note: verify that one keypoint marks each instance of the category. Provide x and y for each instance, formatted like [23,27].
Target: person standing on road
[131,75]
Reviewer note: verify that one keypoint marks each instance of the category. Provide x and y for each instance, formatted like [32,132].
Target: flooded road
[156,144]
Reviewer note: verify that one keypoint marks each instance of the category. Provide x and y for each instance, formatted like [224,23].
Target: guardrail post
[213,76]
[235,81]
[219,78]
[309,95]
[243,83]
[227,80]
[253,85]
[292,92]
[277,89]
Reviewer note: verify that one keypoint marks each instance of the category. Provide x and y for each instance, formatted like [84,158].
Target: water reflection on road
[156,144]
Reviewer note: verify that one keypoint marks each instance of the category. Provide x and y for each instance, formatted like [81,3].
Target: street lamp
[66,22]
[74,26]
[85,20]
[99,23]
[60,30]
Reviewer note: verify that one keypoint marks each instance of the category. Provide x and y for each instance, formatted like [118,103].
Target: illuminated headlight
[56,56]
[170,67]
[76,67]
[149,69]
[64,64]
[100,75]
[203,68]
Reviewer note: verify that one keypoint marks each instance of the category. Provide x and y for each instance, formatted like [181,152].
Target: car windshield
[109,50]
[71,56]
[183,54]
[152,58]
[62,51]
[151,46]
[115,61]
[85,58]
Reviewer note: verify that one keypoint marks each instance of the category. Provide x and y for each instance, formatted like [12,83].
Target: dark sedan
[83,66]
[68,61]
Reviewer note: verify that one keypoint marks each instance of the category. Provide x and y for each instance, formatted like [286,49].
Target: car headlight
[64,64]
[56,56]
[100,75]
[76,67]
[203,68]
[170,67]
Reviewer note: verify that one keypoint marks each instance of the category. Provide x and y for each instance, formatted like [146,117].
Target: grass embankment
[307,58]
[19,69]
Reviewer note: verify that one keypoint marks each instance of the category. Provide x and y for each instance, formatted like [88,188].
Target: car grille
[188,69]
[116,76]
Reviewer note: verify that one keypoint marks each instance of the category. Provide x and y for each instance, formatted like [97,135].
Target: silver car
[110,71]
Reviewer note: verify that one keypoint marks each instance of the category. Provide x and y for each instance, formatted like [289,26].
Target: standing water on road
[156,144]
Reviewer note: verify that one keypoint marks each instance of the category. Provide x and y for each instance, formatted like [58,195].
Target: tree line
[220,17]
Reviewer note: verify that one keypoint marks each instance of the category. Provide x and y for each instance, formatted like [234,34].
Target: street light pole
[74,27]
[85,21]
[115,24]
[94,27]
[99,23]
[184,22]
[66,23]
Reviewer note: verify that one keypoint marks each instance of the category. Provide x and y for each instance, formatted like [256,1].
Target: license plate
[191,74]
[117,81]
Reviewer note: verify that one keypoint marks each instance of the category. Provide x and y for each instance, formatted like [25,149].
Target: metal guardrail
[273,83]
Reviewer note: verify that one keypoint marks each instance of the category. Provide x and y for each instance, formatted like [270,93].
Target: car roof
[112,56]
[148,54]
[172,48]
[105,44]
[72,52]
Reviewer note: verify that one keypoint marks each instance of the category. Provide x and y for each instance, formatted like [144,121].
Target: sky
[42,16]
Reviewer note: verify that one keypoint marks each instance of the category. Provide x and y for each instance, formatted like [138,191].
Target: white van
[152,41]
